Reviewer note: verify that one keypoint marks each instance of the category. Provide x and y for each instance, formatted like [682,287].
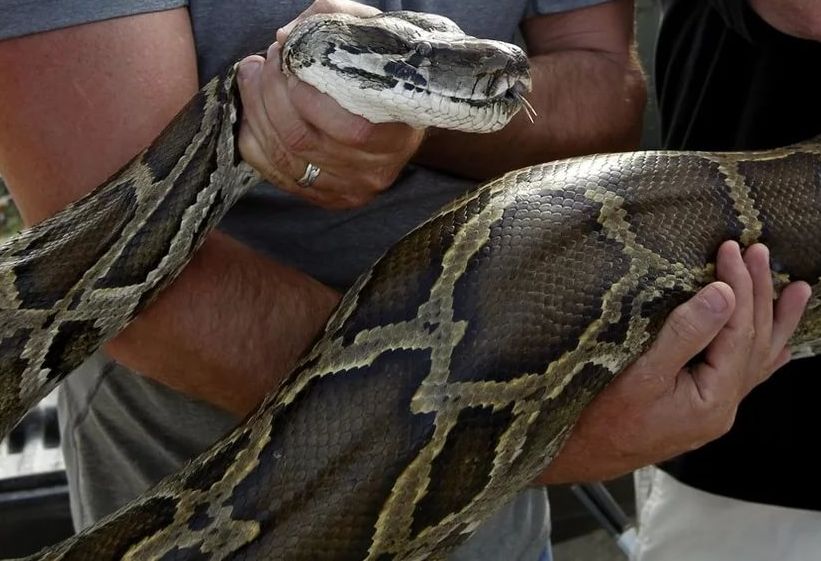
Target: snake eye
[423,48]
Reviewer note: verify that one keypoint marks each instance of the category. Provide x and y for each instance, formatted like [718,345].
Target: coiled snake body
[454,369]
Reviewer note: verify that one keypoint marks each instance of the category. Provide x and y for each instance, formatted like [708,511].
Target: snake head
[414,68]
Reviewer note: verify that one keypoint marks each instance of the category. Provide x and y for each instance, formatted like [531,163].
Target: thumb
[690,328]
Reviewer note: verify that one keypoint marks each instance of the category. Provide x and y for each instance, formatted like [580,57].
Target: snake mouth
[469,113]
[516,94]
[502,106]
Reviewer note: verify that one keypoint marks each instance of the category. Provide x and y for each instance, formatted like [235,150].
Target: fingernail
[715,299]
[249,69]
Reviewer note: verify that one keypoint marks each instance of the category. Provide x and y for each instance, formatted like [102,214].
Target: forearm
[799,18]
[234,321]
[229,328]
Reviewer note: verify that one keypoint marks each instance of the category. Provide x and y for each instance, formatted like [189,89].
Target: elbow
[796,18]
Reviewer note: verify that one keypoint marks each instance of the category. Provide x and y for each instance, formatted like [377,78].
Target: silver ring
[309,177]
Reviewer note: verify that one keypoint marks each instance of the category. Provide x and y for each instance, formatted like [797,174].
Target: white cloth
[681,523]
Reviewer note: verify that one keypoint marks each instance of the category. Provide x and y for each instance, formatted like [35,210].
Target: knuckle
[378,180]
[296,139]
[322,6]
[371,185]
[263,160]
[386,176]
[270,156]
[361,134]
[641,369]
[405,140]
[273,171]
[414,139]
[683,325]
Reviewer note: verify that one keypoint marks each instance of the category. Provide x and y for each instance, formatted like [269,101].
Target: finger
[253,138]
[313,126]
[726,373]
[340,187]
[278,134]
[690,328]
[295,134]
[781,359]
[788,311]
[730,268]
[327,190]
[282,145]
[757,260]
[326,7]
[730,349]
[762,352]
[326,115]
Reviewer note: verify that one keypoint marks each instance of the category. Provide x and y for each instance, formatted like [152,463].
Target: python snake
[451,373]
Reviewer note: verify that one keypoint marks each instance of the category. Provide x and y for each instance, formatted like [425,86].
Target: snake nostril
[424,48]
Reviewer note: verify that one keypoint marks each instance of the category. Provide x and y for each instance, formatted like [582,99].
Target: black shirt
[726,80]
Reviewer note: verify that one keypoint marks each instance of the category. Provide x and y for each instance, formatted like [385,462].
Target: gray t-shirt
[122,432]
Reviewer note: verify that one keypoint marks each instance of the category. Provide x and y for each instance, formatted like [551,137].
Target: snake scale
[454,369]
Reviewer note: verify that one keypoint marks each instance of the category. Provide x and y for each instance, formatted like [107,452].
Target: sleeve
[24,17]
[541,7]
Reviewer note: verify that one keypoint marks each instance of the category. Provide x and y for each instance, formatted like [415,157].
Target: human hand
[287,124]
[658,407]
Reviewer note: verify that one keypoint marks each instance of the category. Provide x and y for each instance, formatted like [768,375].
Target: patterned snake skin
[453,370]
